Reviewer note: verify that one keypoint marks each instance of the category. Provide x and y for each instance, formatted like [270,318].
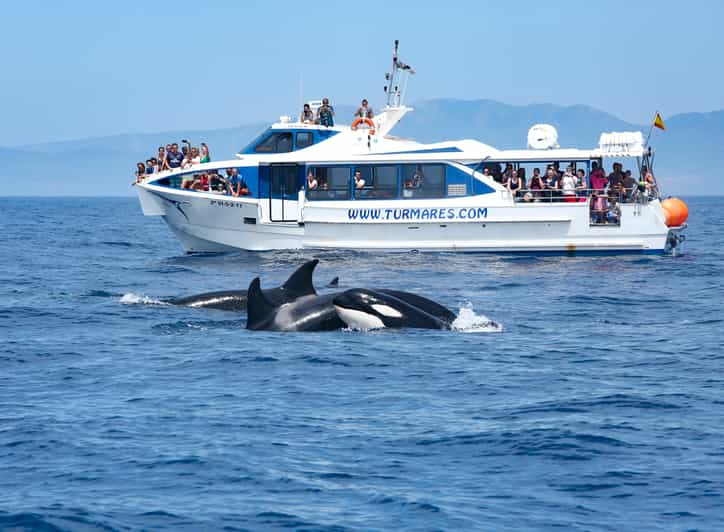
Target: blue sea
[599,406]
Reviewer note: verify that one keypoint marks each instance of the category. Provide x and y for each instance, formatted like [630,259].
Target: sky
[79,69]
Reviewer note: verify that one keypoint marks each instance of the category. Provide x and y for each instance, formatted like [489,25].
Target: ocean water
[599,406]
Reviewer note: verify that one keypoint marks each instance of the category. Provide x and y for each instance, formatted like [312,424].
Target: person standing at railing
[581,184]
[364,111]
[568,185]
[550,183]
[598,179]
[514,184]
[306,116]
[162,163]
[140,172]
[536,183]
[325,114]
[629,186]
[205,157]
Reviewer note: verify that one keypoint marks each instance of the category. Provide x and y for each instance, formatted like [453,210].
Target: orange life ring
[367,121]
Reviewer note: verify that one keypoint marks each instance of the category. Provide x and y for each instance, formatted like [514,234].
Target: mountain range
[688,154]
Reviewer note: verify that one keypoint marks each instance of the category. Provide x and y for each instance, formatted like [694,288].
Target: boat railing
[624,195]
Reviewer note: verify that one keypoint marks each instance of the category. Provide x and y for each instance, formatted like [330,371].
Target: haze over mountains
[689,153]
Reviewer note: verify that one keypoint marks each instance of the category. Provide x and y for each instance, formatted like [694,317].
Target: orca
[362,308]
[309,312]
[299,284]
[358,309]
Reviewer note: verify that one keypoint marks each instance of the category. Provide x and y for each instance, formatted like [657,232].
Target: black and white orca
[309,312]
[362,308]
[299,284]
[359,309]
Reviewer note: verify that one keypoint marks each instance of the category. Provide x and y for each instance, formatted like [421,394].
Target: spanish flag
[659,122]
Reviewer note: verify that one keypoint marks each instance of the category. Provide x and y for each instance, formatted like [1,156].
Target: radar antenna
[397,79]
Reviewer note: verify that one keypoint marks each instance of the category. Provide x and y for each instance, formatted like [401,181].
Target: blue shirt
[174,159]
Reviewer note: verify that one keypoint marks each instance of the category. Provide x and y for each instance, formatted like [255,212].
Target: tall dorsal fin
[300,282]
[258,307]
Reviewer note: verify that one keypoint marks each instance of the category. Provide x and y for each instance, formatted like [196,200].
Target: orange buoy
[675,211]
[684,210]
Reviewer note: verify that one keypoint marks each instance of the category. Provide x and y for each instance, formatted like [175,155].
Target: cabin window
[380,182]
[332,183]
[275,143]
[423,181]
[304,139]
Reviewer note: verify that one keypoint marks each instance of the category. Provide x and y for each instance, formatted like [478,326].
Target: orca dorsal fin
[334,283]
[300,282]
[258,307]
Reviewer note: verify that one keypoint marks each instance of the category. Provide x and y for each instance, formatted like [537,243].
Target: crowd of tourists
[171,158]
[606,192]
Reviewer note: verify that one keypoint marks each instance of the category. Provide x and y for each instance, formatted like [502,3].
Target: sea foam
[470,322]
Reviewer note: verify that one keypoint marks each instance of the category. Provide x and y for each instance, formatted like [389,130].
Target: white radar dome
[542,137]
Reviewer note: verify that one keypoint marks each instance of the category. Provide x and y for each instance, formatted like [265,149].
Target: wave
[138,299]
[470,322]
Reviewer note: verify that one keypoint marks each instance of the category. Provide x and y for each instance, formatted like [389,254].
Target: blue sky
[82,69]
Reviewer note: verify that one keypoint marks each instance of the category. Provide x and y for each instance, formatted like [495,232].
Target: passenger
[216,182]
[581,184]
[418,177]
[237,185]
[521,176]
[550,183]
[514,184]
[200,182]
[154,162]
[149,166]
[629,186]
[311,181]
[162,163]
[568,185]
[205,157]
[325,114]
[536,184]
[486,172]
[174,158]
[598,208]
[359,183]
[614,211]
[615,178]
[598,179]
[192,158]
[307,116]
[507,173]
[650,186]
[364,111]
[140,172]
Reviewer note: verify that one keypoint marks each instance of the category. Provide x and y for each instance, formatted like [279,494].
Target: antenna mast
[397,79]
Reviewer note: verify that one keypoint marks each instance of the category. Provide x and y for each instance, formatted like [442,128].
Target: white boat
[424,197]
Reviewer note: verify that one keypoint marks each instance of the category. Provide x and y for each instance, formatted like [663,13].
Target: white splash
[135,299]
[470,322]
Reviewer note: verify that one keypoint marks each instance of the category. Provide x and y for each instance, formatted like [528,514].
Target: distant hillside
[689,153]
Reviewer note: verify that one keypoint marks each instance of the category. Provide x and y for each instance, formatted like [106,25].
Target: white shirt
[568,184]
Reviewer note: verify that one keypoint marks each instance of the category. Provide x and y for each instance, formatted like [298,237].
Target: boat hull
[213,223]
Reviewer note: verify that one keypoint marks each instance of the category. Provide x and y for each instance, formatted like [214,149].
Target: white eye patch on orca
[356,319]
[385,310]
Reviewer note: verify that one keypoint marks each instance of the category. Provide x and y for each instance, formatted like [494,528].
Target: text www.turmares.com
[460,213]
